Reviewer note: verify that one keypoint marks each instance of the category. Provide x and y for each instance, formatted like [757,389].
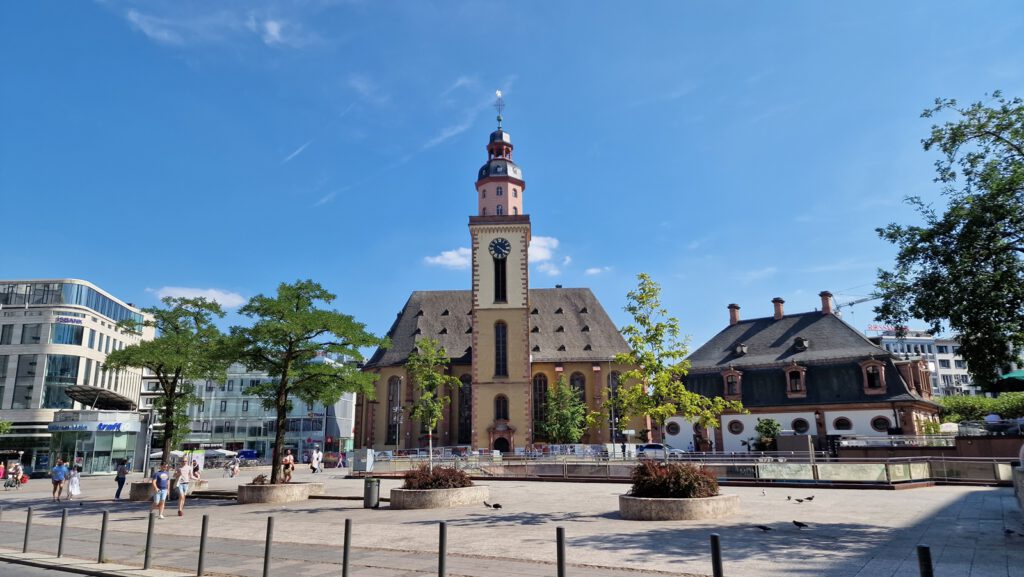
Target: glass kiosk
[94,440]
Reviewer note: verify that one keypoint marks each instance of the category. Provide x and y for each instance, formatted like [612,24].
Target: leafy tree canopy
[426,367]
[292,340]
[188,347]
[974,408]
[565,418]
[964,267]
[654,387]
[5,427]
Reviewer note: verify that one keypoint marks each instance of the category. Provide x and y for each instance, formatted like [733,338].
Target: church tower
[500,231]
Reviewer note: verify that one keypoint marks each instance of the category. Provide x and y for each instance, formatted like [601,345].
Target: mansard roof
[566,324]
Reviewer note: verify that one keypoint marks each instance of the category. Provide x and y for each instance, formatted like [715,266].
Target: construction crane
[839,306]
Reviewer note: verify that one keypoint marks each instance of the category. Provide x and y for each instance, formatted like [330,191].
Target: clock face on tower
[500,248]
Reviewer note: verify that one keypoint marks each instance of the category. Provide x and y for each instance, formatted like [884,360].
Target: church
[508,343]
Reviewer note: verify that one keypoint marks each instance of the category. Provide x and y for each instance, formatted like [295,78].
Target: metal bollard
[266,551]
[560,542]
[103,537]
[442,550]
[924,561]
[149,540]
[202,546]
[716,556]
[28,529]
[348,545]
[60,536]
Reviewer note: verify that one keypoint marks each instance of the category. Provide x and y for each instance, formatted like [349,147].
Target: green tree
[964,408]
[768,430]
[965,267]
[426,367]
[188,347]
[566,418]
[287,336]
[653,388]
[5,427]
[1009,405]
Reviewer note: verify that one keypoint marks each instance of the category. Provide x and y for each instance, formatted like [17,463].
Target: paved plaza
[851,533]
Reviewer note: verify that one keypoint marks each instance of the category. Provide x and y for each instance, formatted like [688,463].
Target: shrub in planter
[672,481]
[439,478]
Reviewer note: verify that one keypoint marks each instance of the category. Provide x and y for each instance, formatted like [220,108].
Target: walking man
[161,480]
[317,461]
[183,476]
[58,475]
[122,476]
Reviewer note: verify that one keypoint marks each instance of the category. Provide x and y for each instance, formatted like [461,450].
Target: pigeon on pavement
[799,500]
[764,528]
[799,525]
[811,498]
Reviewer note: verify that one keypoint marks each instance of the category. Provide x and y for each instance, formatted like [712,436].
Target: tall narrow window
[500,349]
[515,210]
[501,191]
[499,210]
[731,385]
[394,406]
[578,383]
[500,281]
[465,410]
[540,402]
[501,408]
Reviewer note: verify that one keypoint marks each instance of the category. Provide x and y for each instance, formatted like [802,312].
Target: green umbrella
[1010,382]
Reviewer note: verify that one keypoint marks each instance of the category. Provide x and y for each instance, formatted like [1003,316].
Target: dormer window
[733,384]
[801,344]
[796,384]
[740,350]
[560,330]
[873,373]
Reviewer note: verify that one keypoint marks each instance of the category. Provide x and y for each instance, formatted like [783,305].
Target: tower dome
[500,183]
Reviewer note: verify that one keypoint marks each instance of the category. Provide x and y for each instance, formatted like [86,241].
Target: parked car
[658,450]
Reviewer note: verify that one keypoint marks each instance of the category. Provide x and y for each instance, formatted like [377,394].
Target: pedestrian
[183,475]
[197,473]
[342,460]
[233,466]
[58,475]
[287,465]
[316,461]
[121,477]
[74,482]
[690,447]
[161,480]
[3,471]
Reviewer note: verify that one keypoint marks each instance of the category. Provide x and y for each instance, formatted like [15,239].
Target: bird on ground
[788,498]
[799,500]
[1009,532]
[494,506]
[799,525]
[763,493]
[811,498]
[764,528]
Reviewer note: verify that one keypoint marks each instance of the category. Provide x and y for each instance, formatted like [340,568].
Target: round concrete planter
[645,509]
[281,493]
[438,498]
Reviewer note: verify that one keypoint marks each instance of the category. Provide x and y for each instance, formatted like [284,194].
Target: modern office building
[54,338]
[228,418]
[948,369]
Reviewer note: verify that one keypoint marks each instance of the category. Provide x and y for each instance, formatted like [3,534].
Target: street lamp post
[398,419]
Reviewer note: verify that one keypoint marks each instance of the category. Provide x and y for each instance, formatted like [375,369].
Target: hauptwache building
[508,343]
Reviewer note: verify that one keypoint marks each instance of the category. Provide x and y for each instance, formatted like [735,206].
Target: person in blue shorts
[58,475]
[161,482]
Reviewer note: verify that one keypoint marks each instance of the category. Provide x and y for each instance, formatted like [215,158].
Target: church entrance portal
[501,444]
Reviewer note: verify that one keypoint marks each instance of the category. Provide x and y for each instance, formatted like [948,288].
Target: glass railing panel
[861,472]
[785,471]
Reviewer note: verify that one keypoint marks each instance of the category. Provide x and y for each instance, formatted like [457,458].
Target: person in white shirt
[184,476]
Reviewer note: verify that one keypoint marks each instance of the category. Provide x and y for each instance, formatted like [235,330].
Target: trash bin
[371,493]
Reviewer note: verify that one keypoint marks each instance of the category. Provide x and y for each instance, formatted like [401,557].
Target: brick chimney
[778,302]
[826,302]
[734,314]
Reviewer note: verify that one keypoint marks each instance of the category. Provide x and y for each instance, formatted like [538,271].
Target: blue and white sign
[117,427]
[69,320]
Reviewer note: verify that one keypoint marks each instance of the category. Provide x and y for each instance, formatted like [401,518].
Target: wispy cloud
[367,89]
[157,29]
[759,274]
[459,258]
[325,199]
[171,25]
[460,82]
[594,270]
[227,299]
[667,96]
[296,152]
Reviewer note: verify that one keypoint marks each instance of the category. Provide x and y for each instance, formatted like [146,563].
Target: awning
[1010,382]
[97,398]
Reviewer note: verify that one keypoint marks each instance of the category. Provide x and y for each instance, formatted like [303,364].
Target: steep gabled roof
[569,325]
[774,342]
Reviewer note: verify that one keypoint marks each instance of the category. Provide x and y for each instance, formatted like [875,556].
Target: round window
[672,428]
[842,424]
[735,427]
[800,426]
[881,424]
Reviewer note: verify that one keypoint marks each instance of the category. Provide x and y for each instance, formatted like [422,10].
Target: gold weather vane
[499,105]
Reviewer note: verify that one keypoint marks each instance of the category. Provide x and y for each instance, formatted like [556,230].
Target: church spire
[500,183]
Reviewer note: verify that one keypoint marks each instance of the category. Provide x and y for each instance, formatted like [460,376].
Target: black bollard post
[60,536]
[348,545]
[560,539]
[924,561]
[442,550]
[266,551]
[149,540]
[202,546]
[716,556]
[28,529]
[103,537]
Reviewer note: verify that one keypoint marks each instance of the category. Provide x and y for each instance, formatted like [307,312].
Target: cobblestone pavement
[851,533]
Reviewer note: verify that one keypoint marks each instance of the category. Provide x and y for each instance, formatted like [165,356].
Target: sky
[734,151]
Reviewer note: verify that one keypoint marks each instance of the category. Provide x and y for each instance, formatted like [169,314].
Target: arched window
[501,191]
[483,193]
[501,408]
[874,378]
[540,399]
[499,210]
[465,410]
[394,407]
[515,193]
[578,383]
[873,371]
[732,381]
[500,349]
[515,210]
[732,385]
[483,211]
[613,384]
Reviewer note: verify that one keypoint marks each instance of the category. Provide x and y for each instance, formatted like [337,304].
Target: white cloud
[326,198]
[542,248]
[460,82]
[548,268]
[454,259]
[296,152]
[226,299]
[759,274]
[177,26]
[157,29]
[272,32]
[597,270]
[449,132]
[566,261]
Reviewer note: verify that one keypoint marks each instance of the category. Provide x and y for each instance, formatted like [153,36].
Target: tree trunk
[282,422]
[430,448]
[169,429]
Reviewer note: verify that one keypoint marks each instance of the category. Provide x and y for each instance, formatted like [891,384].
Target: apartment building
[949,372]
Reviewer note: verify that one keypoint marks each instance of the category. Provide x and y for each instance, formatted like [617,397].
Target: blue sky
[736,151]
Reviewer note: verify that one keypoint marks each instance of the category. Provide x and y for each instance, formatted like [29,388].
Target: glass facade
[6,334]
[61,371]
[61,334]
[23,381]
[30,333]
[65,294]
